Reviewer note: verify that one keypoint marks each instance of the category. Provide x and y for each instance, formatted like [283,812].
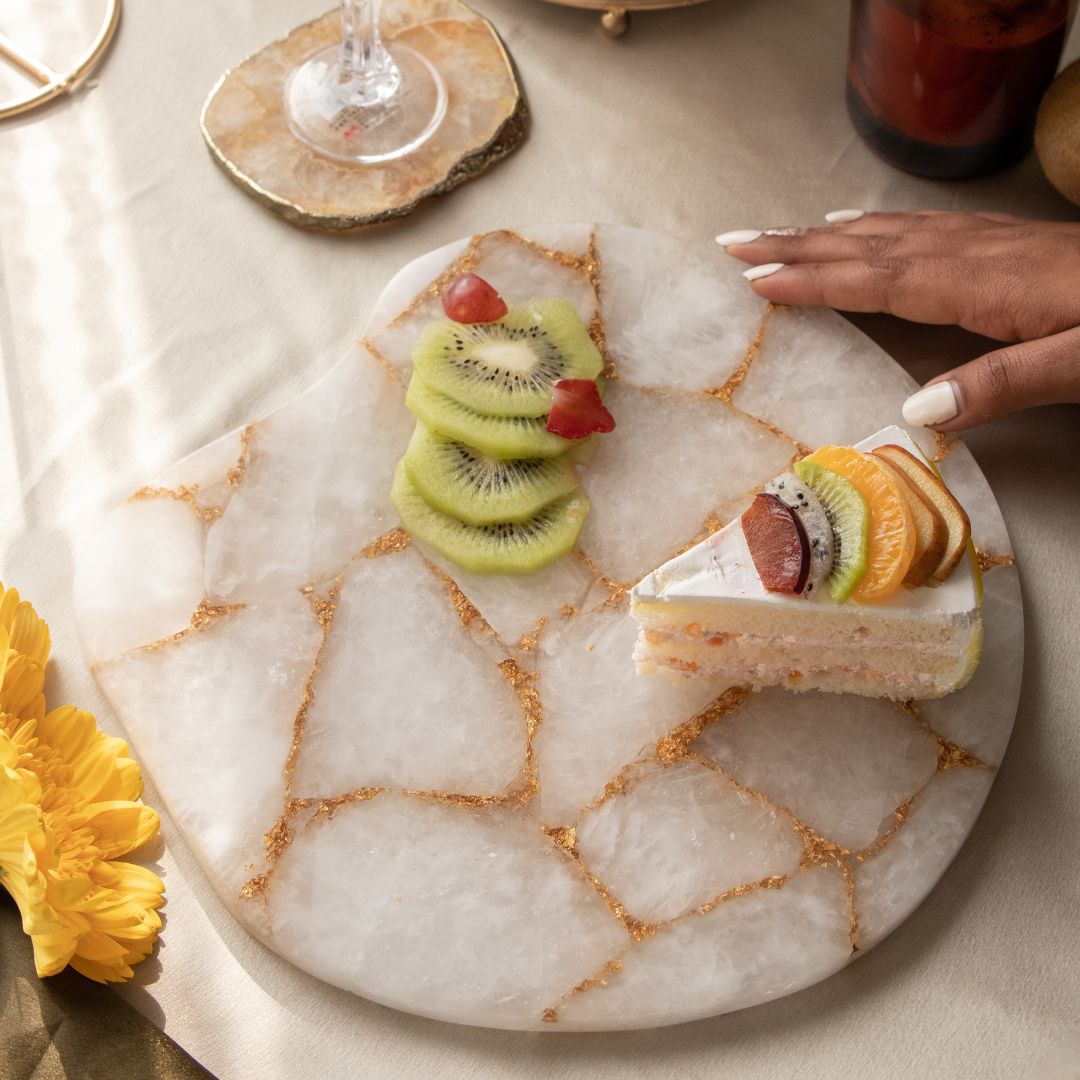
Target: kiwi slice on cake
[460,481]
[496,436]
[849,515]
[504,547]
[507,367]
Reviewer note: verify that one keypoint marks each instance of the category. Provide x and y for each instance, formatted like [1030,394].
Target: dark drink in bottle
[950,88]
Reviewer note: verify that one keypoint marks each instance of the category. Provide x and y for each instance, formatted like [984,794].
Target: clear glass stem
[361,101]
[366,67]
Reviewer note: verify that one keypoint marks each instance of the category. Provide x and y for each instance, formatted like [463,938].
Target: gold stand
[55,83]
[616,16]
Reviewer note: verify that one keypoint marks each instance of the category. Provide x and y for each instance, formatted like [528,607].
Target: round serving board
[451,793]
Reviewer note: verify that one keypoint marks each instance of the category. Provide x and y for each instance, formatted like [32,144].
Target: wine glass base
[361,124]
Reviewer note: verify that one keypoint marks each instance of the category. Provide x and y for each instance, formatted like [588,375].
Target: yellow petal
[136,882]
[29,633]
[126,780]
[92,770]
[102,972]
[120,826]
[20,687]
[70,731]
[54,948]
[66,892]
[95,945]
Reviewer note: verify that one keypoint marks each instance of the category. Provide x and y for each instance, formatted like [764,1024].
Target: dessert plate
[450,793]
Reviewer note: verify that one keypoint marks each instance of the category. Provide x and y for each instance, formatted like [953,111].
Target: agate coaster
[245,127]
[450,793]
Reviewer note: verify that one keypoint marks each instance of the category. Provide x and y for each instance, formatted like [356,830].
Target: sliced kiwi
[507,367]
[849,516]
[496,436]
[461,481]
[505,547]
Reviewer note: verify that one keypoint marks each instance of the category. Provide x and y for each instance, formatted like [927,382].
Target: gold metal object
[616,16]
[55,83]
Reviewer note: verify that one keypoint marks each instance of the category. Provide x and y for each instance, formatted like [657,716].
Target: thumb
[1045,371]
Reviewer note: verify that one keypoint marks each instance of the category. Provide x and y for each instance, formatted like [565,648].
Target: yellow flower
[68,810]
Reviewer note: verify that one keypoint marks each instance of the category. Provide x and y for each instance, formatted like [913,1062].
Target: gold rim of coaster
[55,83]
[243,122]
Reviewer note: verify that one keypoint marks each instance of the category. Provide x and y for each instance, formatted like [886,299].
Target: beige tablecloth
[147,306]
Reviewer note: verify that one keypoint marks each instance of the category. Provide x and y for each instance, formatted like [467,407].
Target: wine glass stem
[365,62]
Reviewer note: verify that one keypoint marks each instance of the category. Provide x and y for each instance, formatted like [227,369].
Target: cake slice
[742,605]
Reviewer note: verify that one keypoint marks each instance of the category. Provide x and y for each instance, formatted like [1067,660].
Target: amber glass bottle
[949,88]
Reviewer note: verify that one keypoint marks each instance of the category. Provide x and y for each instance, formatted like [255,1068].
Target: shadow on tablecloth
[69,1028]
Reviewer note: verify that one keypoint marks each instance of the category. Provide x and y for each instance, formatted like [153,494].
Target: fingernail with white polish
[842,217]
[784,230]
[931,405]
[738,236]
[764,270]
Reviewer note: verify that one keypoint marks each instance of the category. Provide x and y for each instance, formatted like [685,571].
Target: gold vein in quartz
[463,264]
[524,684]
[564,836]
[396,540]
[943,443]
[280,835]
[673,747]
[610,968]
[185,493]
[619,784]
[324,609]
[237,473]
[467,612]
[203,616]
[853,919]
[591,267]
[738,376]
[327,808]
[900,816]
[712,524]
[617,589]
[276,842]
[529,642]
[587,265]
[774,881]
[676,744]
[614,966]
[528,783]
[989,560]
[801,449]
[949,754]
[382,360]
[568,611]
[638,929]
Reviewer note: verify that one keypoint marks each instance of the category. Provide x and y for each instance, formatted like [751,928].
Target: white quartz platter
[451,793]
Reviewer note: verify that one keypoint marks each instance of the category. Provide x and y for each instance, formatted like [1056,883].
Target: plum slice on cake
[846,575]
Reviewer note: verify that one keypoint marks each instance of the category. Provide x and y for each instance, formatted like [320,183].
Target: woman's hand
[1001,276]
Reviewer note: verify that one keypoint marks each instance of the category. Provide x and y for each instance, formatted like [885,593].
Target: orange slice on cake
[892,528]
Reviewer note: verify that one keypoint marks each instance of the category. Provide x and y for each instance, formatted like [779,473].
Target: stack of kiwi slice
[483,481]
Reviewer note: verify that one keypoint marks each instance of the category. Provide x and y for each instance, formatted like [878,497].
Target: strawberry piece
[470,299]
[576,409]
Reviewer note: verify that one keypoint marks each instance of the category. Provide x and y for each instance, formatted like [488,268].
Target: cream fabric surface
[147,306]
